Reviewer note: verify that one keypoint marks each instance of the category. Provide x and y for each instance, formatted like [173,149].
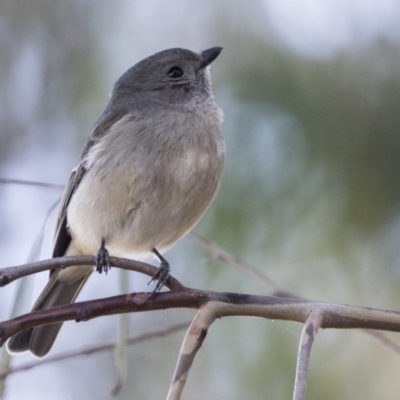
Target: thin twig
[310,329]
[194,338]
[120,356]
[93,349]
[10,274]
[6,181]
[218,253]
[380,336]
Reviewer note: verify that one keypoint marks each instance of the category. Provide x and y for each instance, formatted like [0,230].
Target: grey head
[173,76]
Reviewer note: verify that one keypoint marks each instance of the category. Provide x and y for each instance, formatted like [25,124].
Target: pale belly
[135,211]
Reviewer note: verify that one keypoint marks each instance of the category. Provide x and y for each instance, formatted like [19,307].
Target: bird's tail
[57,292]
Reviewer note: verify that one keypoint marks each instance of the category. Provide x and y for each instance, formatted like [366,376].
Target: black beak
[209,55]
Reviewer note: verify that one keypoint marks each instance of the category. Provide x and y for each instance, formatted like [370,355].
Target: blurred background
[310,194]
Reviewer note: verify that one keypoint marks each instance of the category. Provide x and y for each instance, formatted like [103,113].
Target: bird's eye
[175,72]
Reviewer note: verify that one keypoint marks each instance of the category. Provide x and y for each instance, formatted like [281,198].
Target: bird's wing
[62,237]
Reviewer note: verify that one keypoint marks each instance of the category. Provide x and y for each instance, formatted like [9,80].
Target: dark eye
[175,72]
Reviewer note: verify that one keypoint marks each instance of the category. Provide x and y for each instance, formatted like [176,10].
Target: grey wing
[62,237]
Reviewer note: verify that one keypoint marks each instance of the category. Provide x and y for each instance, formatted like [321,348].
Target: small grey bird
[149,171]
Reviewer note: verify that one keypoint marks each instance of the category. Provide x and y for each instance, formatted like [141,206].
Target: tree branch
[310,329]
[229,304]
[211,305]
[194,338]
[10,274]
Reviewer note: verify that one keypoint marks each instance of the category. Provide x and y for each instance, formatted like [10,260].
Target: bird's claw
[160,277]
[102,259]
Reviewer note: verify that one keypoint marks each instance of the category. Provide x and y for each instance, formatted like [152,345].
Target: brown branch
[10,274]
[211,304]
[334,315]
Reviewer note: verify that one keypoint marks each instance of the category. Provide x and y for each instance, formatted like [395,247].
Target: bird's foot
[162,274]
[102,259]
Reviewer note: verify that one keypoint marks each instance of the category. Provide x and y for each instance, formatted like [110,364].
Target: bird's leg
[162,274]
[102,259]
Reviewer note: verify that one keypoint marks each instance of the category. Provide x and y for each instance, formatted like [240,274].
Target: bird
[149,171]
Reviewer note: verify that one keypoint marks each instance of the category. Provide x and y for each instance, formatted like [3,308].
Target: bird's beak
[209,55]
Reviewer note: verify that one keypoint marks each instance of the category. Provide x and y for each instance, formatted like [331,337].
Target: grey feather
[39,340]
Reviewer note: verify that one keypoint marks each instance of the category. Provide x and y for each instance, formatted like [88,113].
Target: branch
[211,304]
[194,338]
[310,329]
[10,274]
[229,304]
[214,305]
